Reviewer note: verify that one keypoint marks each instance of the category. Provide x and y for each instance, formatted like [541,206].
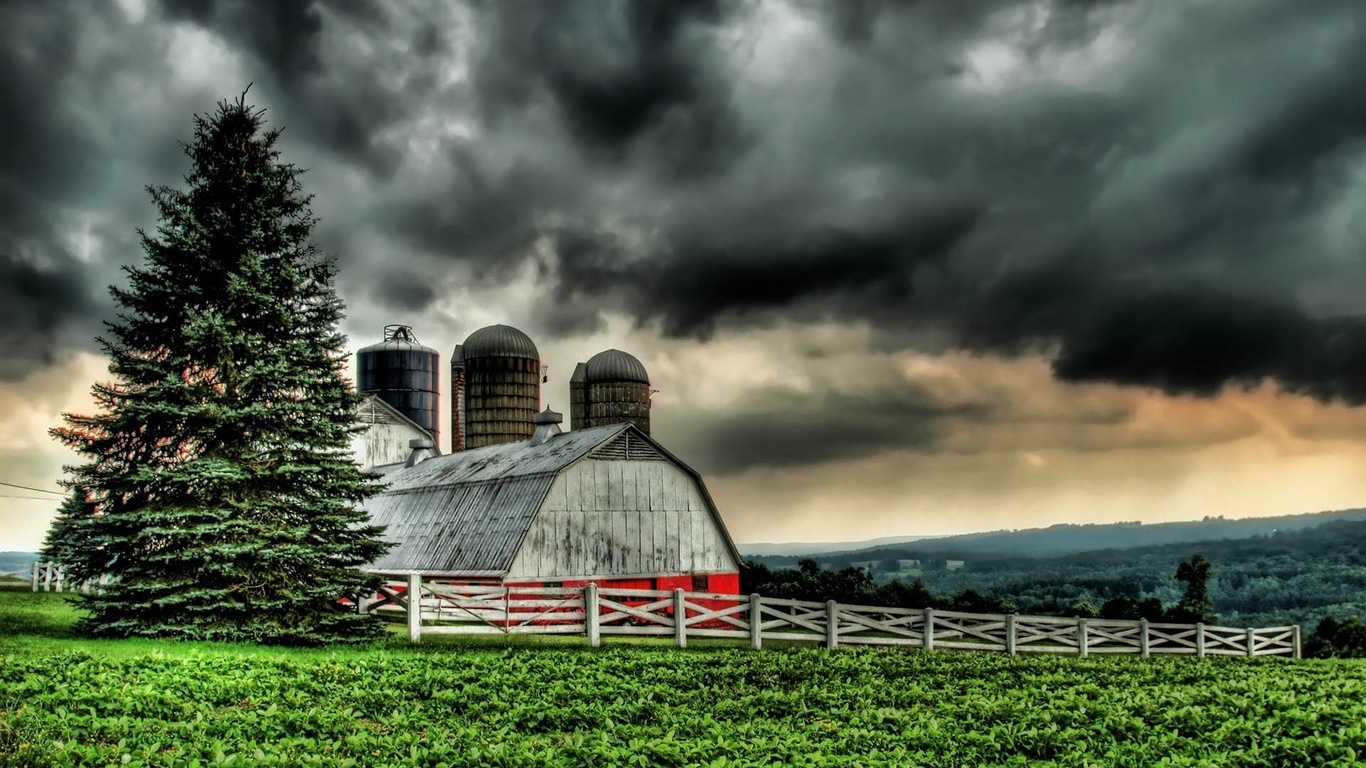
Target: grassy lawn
[552,701]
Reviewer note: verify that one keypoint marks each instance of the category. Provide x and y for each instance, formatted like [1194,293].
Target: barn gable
[628,447]
[385,437]
[623,518]
[581,504]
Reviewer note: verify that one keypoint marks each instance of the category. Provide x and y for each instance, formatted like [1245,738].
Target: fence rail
[594,611]
[51,577]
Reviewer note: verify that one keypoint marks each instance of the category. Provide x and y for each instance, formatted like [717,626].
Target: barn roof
[466,513]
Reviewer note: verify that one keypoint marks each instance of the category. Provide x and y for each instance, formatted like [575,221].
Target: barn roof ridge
[505,460]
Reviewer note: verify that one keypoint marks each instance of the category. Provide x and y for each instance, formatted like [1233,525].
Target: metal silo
[495,388]
[613,387]
[404,374]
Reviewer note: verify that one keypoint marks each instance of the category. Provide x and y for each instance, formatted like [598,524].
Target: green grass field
[556,702]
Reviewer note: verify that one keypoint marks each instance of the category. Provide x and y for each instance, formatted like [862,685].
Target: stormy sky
[895,266]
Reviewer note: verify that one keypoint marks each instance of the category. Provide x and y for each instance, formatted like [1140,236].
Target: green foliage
[227,500]
[855,586]
[1195,605]
[1344,639]
[1286,578]
[141,703]
[1130,608]
[70,542]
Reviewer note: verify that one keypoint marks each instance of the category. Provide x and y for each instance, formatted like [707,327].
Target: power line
[30,488]
[17,496]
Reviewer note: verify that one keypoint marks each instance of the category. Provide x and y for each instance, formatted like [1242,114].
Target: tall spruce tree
[226,498]
[68,540]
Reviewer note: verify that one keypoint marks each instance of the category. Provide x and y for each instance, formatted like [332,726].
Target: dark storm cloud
[340,103]
[46,156]
[38,307]
[779,427]
[404,291]
[1141,192]
[623,75]
[1178,338]
[688,286]
[1157,224]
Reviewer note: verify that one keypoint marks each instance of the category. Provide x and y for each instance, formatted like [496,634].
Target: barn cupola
[547,426]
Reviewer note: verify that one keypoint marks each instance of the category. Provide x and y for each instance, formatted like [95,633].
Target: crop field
[540,702]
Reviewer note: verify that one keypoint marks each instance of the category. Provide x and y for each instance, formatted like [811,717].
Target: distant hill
[16,561]
[1061,540]
[798,548]
[1294,575]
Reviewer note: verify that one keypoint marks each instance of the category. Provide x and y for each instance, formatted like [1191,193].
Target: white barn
[607,505]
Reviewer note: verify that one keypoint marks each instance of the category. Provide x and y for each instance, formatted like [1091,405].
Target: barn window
[554,584]
[699,583]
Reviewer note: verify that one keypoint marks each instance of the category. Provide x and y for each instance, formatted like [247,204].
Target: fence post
[832,624]
[1295,637]
[61,575]
[680,619]
[414,607]
[756,622]
[1082,641]
[1200,640]
[928,633]
[35,575]
[1010,634]
[1143,638]
[590,614]
[47,577]
[1251,641]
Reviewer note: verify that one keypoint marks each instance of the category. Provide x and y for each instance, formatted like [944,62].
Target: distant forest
[1071,538]
[1289,576]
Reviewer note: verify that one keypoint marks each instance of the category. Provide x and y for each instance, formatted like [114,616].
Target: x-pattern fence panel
[446,608]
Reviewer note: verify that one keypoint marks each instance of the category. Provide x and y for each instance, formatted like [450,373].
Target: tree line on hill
[856,586]
[1285,578]
[1071,538]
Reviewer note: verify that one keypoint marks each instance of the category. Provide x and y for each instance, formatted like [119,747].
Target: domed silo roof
[500,341]
[615,365]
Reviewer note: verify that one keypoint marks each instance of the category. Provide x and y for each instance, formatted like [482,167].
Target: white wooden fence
[51,577]
[597,611]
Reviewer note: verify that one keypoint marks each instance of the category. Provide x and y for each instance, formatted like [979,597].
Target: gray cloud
[774,427]
[627,79]
[1157,198]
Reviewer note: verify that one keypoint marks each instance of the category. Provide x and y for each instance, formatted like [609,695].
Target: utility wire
[30,488]
[17,496]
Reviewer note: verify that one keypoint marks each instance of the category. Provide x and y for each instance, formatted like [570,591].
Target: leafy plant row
[647,706]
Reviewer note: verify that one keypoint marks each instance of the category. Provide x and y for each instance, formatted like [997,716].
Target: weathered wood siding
[383,442]
[620,518]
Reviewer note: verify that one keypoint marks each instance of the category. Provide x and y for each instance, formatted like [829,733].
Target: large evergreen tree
[227,501]
[68,541]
